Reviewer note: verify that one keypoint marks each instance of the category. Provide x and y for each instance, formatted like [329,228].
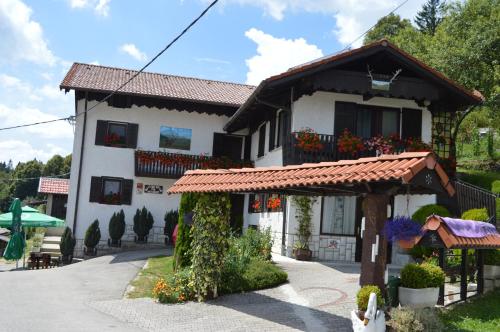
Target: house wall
[119,162]
[48,206]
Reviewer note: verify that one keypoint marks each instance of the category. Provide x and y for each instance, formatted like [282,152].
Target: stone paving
[88,297]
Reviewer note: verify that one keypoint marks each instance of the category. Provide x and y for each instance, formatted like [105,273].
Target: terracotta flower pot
[406,244]
[303,254]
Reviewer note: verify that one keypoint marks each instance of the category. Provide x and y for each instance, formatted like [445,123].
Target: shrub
[363,297]
[492,257]
[171,218]
[406,319]
[476,214]
[176,289]
[182,253]
[256,243]
[68,242]
[422,276]
[210,233]
[425,211]
[143,222]
[92,235]
[495,187]
[304,213]
[117,225]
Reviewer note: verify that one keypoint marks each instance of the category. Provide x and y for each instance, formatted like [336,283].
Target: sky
[241,41]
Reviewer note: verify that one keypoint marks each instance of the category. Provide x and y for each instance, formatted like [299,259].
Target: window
[116,134]
[338,215]
[390,122]
[111,190]
[265,203]
[262,140]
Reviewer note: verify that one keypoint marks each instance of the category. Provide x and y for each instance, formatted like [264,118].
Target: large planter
[141,239]
[303,254]
[418,298]
[491,272]
[67,259]
[115,243]
[90,251]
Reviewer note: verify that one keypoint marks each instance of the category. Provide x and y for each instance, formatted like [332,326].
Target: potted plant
[92,238]
[369,317]
[116,229]
[67,245]
[303,215]
[350,144]
[143,222]
[420,285]
[402,230]
[171,219]
[308,140]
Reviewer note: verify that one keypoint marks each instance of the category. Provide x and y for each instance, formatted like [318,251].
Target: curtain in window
[338,215]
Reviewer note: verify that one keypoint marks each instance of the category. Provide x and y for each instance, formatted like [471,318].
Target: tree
[27,175]
[430,16]
[54,166]
[387,27]
[66,169]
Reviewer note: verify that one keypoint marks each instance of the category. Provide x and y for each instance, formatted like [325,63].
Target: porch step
[50,247]
[52,240]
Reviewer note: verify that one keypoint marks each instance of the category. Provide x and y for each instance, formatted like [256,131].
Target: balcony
[166,165]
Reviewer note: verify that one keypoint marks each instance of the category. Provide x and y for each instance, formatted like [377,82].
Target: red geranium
[349,143]
[308,140]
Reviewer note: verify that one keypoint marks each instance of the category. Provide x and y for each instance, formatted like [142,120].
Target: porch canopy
[415,172]
[377,179]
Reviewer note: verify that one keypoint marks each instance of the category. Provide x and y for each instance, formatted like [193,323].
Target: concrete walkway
[88,296]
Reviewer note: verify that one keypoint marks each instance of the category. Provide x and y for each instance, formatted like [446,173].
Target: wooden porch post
[375,211]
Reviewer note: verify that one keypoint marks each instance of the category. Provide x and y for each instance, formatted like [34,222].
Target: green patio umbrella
[15,247]
[31,217]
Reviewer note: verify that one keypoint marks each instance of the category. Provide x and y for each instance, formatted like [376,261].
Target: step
[50,247]
[52,239]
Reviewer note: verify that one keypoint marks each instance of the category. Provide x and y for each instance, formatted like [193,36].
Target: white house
[128,151]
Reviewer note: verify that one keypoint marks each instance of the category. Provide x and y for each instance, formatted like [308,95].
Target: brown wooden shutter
[132,131]
[411,124]
[95,189]
[262,140]
[345,117]
[100,133]
[272,131]
[251,199]
[127,188]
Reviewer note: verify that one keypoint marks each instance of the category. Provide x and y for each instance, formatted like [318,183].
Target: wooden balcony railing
[167,165]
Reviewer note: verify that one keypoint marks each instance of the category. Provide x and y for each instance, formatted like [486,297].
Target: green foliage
[68,242]
[492,257]
[92,235]
[476,142]
[430,16]
[256,243]
[476,214]
[116,225]
[182,253]
[54,166]
[261,275]
[66,165]
[143,222]
[425,211]
[405,319]
[304,213]
[495,187]
[363,297]
[26,188]
[176,289]
[421,276]
[491,145]
[386,27]
[42,208]
[171,218]
[210,232]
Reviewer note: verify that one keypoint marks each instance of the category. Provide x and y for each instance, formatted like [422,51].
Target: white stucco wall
[318,111]
[119,162]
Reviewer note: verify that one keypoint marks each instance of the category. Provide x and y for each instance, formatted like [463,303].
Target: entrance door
[237,209]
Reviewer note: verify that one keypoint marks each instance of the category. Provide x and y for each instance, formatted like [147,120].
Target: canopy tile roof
[452,241]
[53,186]
[95,78]
[399,168]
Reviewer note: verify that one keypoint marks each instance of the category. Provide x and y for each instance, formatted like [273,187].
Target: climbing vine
[304,213]
[210,233]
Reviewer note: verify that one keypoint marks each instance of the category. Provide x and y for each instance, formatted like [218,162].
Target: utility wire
[183,32]
[35,178]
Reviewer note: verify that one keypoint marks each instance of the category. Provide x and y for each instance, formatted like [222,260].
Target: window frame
[117,123]
[115,179]
[321,223]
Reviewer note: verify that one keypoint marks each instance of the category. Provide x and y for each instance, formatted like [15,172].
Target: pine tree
[430,16]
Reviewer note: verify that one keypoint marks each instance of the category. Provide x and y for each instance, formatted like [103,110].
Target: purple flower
[401,228]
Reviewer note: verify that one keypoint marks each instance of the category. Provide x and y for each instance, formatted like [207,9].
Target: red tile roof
[107,79]
[451,241]
[53,186]
[402,167]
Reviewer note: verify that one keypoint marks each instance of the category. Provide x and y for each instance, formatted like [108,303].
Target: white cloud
[133,51]
[352,17]
[22,37]
[276,55]
[19,150]
[50,91]
[100,7]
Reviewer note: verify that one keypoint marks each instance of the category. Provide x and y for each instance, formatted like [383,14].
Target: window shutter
[132,131]
[248,147]
[127,188]
[95,189]
[272,131]
[251,199]
[262,140]
[345,117]
[411,124]
[100,133]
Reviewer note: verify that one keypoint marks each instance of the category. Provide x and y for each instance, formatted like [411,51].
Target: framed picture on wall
[175,138]
[153,189]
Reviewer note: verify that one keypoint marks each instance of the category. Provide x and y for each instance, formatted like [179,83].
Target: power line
[35,178]
[182,33]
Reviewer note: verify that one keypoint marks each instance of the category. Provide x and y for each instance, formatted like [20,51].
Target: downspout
[77,200]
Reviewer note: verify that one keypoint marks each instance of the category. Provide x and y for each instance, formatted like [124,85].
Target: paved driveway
[88,297]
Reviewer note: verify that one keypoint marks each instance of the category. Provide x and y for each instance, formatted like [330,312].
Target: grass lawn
[157,267]
[481,314]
